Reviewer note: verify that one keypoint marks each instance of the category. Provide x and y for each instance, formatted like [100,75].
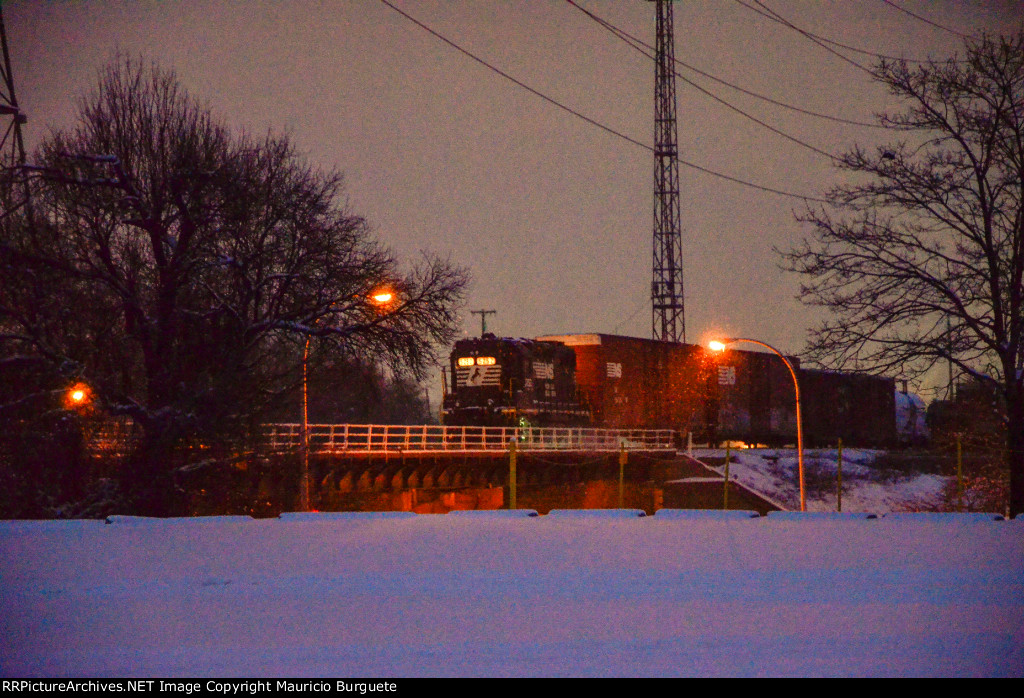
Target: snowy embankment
[866,487]
[499,593]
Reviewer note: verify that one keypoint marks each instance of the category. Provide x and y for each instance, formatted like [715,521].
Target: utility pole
[483,319]
[668,320]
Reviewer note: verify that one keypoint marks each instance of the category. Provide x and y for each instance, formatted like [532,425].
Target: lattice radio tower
[667,286]
[12,147]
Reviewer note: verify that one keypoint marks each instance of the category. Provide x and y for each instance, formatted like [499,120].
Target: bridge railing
[374,438]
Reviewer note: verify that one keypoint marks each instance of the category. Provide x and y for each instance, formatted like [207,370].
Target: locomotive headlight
[466,361]
[485,361]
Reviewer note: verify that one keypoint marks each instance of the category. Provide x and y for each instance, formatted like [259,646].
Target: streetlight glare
[382,297]
[77,396]
[719,345]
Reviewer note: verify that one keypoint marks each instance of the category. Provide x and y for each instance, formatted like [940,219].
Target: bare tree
[179,270]
[920,256]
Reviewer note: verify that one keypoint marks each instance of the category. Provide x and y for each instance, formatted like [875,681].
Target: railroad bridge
[438,468]
[350,458]
[431,468]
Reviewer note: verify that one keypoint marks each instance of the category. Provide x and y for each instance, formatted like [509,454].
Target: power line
[923,19]
[621,35]
[774,16]
[632,315]
[769,13]
[630,39]
[601,126]
[521,84]
[821,40]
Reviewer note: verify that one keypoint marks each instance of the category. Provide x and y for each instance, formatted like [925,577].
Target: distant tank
[911,427]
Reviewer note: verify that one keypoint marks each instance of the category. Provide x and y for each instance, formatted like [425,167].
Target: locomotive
[511,382]
[617,382]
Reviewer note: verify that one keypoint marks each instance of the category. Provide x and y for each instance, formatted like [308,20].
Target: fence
[380,438]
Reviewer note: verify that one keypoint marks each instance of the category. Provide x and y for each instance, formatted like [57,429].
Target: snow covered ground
[593,593]
[866,487]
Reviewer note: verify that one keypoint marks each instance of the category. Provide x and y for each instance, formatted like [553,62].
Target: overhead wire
[521,84]
[774,16]
[631,316]
[769,13]
[624,35]
[925,20]
[591,121]
[621,35]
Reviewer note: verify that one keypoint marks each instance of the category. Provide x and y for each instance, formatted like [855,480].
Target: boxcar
[643,383]
[860,409]
[633,383]
[752,398]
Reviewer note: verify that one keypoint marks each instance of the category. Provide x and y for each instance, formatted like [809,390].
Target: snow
[508,594]
[773,474]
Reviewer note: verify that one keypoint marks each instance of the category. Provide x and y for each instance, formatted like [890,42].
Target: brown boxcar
[858,408]
[630,382]
[753,397]
[643,383]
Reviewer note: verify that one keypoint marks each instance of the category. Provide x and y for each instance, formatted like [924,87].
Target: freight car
[643,383]
[857,408]
[631,383]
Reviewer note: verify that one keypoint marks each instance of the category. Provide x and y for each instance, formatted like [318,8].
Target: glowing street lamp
[720,345]
[381,297]
[77,396]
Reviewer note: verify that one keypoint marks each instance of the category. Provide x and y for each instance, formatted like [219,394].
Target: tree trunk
[148,478]
[1015,451]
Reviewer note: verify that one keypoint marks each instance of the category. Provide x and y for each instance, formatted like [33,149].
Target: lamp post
[304,485]
[380,297]
[720,345]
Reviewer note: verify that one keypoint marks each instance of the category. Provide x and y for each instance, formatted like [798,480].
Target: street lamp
[77,396]
[381,297]
[720,345]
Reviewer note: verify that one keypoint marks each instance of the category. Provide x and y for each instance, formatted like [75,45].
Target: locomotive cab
[512,382]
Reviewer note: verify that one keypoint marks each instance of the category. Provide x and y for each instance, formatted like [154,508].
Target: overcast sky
[552,215]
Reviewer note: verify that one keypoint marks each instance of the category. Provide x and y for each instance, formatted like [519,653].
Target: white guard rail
[394,438]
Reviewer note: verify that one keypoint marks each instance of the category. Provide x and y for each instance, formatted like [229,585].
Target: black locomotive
[510,382]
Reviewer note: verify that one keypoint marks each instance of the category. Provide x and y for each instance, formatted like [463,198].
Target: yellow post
[839,477]
[512,473]
[725,493]
[959,474]
[622,469]
[444,394]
